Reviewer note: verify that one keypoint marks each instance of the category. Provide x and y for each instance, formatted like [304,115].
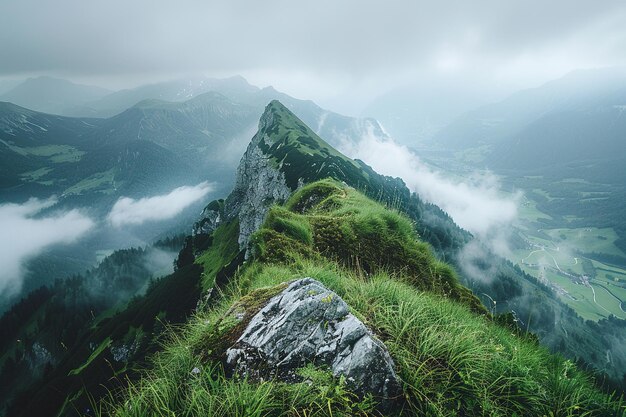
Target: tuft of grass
[329,219]
[290,224]
[224,248]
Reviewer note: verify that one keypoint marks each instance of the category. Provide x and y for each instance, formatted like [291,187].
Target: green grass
[552,257]
[528,211]
[105,344]
[54,153]
[223,250]
[339,223]
[611,277]
[302,155]
[608,268]
[102,181]
[35,175]
[451,360]
[580,297]
[608,301]
[591,239]
[543,193]
[293,132]
[568,247]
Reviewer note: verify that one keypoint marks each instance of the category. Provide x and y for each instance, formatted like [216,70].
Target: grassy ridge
[452,361]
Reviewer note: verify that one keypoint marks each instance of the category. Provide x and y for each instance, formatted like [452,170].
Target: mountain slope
[588,143]
[37,332]
[32,142]
[285,154]
[571,124]
[560,144]
[332,126]
[48,154]
[203,136]
[175,91]
[199,129]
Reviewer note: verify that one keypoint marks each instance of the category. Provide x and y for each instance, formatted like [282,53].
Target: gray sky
[323,50]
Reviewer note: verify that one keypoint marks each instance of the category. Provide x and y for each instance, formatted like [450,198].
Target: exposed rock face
[125,351]
[210,218]
[258,186]
[38,357]
[307,323]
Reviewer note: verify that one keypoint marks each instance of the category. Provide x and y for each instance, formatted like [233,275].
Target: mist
[122,278]
[475,203]
[25,235]
[128,211]
[160,262]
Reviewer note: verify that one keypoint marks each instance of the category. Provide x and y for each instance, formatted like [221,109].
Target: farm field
[564,258]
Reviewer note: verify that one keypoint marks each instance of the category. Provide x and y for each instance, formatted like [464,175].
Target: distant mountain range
[571,127]
[191,130]
[415,113]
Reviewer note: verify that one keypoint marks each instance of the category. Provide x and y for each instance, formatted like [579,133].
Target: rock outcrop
[307,323]
[210,218]
[258,186]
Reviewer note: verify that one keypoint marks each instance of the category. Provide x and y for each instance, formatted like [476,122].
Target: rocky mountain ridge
[353,231]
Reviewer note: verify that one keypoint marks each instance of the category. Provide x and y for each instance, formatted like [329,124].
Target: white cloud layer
[23,236]
[128,211]
[475,203]
[317,48]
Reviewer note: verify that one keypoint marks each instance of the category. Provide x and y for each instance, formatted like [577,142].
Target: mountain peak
[210,97]
[284,155]
[268,118]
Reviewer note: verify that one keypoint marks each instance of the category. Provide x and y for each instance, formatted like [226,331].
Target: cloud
[128,211]
[304,47]
[25,235]
[474,202]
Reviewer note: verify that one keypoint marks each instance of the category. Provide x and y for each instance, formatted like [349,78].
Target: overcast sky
[320,49]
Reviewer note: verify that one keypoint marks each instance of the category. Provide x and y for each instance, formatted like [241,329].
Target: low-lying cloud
[24,236]
[128,211]
[474,202]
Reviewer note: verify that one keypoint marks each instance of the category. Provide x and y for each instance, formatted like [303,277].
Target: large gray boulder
[307,323]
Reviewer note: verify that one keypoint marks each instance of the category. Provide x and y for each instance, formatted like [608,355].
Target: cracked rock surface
[308,323]
[258,186]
